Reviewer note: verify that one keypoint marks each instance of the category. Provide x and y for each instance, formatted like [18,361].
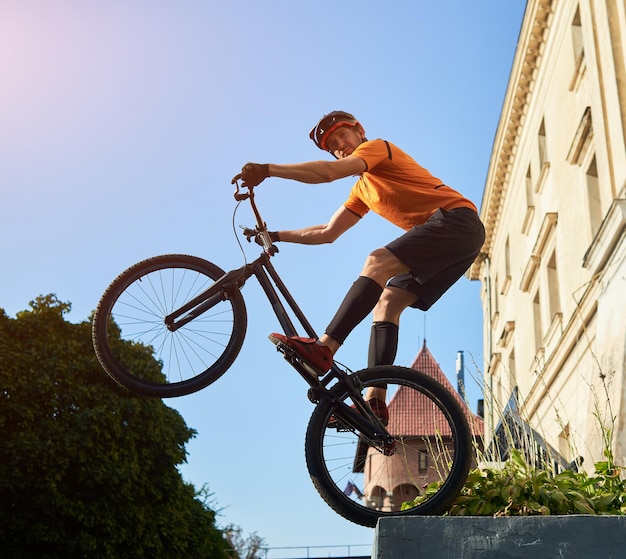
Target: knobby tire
[130,316]
[432,442]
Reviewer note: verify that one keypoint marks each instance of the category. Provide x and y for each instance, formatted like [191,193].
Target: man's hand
[254,174]
[253,233]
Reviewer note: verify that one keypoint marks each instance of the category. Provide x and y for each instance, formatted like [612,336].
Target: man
[442,237]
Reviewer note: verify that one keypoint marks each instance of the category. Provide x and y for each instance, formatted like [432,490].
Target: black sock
[356,305]
[383,346]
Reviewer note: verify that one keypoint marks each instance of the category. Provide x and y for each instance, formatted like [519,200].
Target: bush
[520,490]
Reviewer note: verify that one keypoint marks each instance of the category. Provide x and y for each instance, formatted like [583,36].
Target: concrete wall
[475,537]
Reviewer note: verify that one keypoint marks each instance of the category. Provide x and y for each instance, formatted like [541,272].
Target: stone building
[553,267]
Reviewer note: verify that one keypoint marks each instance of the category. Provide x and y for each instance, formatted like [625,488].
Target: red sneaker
[378,407]
[316,355]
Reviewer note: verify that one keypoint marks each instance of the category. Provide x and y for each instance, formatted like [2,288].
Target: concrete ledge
[482,537]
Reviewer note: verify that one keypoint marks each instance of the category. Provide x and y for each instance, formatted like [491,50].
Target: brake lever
[248,233]
[239,196]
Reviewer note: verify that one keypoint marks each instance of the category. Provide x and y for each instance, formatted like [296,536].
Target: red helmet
[328,124]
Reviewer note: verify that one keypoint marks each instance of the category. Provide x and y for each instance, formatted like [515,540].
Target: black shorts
[437,253]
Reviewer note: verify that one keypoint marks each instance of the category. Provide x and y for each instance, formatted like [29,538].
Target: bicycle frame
[276,292]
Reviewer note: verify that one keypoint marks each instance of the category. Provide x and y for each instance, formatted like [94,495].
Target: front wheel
[363,480]
[131,317]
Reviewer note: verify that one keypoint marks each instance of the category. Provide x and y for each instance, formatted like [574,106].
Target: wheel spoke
[190,357]
[364,479]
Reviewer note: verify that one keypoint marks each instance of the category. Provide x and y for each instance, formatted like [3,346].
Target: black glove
[254,174]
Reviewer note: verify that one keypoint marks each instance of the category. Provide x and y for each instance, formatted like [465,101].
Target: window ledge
[607,236]
[554,332]
[528,219]
[541,181]
[579,73]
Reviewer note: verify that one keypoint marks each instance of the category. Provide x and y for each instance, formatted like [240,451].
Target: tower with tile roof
[413,416]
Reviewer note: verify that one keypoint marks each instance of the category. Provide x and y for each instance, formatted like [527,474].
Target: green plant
[87,469]
[520,490]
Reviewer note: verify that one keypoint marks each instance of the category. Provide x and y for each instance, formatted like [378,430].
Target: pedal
[292,356]
[340,426]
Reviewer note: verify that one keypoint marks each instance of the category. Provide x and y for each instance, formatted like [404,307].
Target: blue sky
[121,125]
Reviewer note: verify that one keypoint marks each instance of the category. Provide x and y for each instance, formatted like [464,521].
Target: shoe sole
[335,423]
[293,355]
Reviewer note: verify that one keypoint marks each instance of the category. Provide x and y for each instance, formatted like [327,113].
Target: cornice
[523,75]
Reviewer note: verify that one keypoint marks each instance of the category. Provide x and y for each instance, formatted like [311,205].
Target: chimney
[460,374]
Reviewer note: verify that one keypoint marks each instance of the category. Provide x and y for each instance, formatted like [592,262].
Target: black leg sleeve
[356,305]
[383,346]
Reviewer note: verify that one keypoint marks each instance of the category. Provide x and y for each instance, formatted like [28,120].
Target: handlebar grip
[268,245]
[266,241]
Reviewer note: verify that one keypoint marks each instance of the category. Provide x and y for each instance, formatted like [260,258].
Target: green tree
[86,469]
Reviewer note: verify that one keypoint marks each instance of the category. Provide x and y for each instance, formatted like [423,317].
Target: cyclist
[442,236]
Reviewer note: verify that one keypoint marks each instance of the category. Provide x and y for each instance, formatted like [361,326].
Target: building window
[530,207]
[577,39]
[578,52]
[495,302]
[499,390]
[512,371]
[541,140]
[544,164]
[422,457]
[593,197]
[565,445]
[529,186]
[554,298]
[538,328]
[540,279]
[507,267]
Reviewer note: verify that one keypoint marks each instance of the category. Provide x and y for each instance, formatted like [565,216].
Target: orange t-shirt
[397,188]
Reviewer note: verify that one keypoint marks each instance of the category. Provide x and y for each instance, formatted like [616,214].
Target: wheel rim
[136,316]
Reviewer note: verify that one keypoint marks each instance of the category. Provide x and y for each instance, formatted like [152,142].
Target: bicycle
[191,316]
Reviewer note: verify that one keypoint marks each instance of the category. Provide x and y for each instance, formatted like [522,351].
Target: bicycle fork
[357,418]
[208,298]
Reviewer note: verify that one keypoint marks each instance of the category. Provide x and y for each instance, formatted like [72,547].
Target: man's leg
[356,305]
[384,334]
[363,296]
[383,344]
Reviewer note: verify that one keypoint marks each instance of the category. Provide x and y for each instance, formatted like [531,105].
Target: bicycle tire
[132,310]
[361,483]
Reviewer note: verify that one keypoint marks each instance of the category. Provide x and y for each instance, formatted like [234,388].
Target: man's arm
[315,172]
[339,223]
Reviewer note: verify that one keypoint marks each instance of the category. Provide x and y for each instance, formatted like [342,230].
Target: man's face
[344,140]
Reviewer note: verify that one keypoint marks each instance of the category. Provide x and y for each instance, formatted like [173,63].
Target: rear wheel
[132,313]
[364,480]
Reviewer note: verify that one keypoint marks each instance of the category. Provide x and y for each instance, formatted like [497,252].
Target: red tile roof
[413,414]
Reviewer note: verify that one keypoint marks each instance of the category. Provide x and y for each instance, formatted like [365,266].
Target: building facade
[553,267]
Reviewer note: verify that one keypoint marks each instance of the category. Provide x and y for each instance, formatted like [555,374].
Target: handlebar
[260,232]
[239,196]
